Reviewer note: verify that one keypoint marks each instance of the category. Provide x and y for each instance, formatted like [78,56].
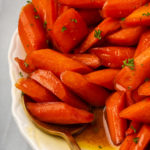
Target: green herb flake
[147,79]
[22,94]
[31,24]
[133,129]
[35,10]
[27,45]
[63,29]
[97,34]
[129,63]
[28,2]
[20,73]
[129,87]
[74,20]
[100,147]
[45,24]
[136,140]
[49,29]
[26,65]
[123,19]
[37,17]
[146,14]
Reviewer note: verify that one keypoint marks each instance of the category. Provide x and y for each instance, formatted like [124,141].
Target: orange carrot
[48,80]
[91,17]
[130,78]
[89,60]
[127,142]
[133,128]
[68,30]
[144,43]
[124,36]
[138,17]
[47,10]
[144,89]
[56,62]
[136,97]
[117,126]
[113,57]
[24,65]
[62,8]
[129,99]
[83,3]
[139,111]
[59,113]
[91,93]
[119,8]
[35,90]
[142,139]
[31,31]
[106,27]
[103,77]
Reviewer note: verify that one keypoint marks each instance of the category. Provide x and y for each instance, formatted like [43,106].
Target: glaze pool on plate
[90,139]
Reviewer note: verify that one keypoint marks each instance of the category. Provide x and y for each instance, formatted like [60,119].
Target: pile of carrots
[83,53]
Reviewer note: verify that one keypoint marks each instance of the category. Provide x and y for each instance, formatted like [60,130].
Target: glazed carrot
[117,126]
[130,78]
[59,113]
[139,17]
[91,93]
[129,99]
[127,142]
[106,27]
[35,90]
[62,8]
[89,60]
[144,43]
[136,97]
[48,80]
[47,10]
[31,31]
[103,77]
[142,139]
[144,89]
[119,8]
[133,128]
[139,111]
[68,30]
[83,3]
[56,62]
[24,65]
[124,36]
[113,57]
[91,17]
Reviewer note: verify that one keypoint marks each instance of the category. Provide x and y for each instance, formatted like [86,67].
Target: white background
[10,137]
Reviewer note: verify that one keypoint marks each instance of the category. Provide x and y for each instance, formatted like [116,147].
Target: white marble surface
[10,137]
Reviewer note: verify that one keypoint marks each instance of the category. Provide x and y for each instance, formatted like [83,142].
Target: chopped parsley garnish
[97,34]
[146,14]
[100,147]
[31,24]
[129,63]
[26,65]
[147,79]
[45,24]
[133,129]
[35,10]
[22,94]
[136,140]
[20,73]
[63,29]
[49,29]
[123,19]
[28,1]
[129,87]
[74,20]
[37,17]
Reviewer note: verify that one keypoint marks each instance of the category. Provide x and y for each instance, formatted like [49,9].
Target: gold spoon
[63,131]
